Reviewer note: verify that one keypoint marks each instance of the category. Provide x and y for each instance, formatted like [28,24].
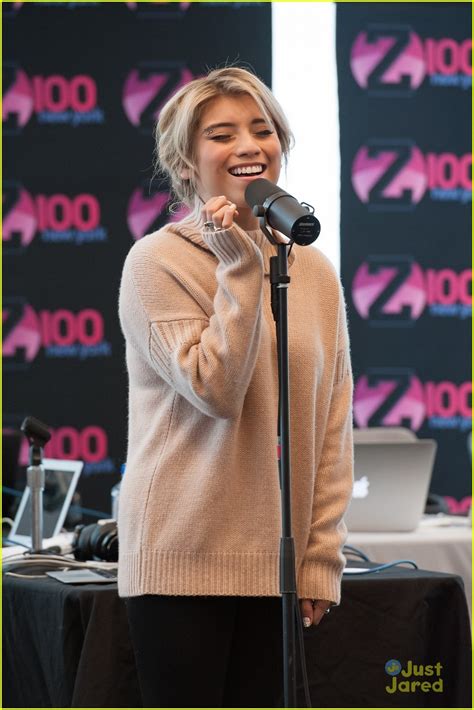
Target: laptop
[391,484]
[61,478]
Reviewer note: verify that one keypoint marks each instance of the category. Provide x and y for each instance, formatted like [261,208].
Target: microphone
[283,212]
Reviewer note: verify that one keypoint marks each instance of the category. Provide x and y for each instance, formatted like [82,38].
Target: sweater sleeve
[208,359]
[321,569]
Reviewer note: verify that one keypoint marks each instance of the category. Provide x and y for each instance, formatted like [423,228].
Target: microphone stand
[35,481]
[38,435]
[279,281]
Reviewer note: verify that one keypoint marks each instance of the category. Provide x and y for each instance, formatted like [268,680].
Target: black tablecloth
[69,646]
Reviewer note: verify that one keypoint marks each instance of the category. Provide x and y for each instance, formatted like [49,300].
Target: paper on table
[444,521]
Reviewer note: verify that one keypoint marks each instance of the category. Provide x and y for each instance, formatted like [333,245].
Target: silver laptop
[61,478]
[391,484]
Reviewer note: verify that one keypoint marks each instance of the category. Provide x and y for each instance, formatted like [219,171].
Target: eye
[221,137]
[265,132]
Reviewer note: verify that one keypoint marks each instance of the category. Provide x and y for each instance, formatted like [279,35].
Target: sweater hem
[199,574]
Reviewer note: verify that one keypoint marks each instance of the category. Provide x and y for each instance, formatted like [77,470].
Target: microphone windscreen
[258,190]
[32,427]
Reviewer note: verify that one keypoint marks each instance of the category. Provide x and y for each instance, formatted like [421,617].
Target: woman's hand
[220,211]
[313,611]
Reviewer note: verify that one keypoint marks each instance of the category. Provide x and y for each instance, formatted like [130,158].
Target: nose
[247,144]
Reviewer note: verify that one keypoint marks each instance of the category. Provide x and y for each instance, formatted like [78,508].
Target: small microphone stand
[37,435]
[279,281]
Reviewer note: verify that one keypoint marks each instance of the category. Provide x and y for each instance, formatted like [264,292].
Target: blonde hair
[176,127]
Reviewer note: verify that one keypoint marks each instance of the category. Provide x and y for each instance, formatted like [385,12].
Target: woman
[200,504]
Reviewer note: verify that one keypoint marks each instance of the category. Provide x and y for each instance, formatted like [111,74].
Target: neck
[246,219]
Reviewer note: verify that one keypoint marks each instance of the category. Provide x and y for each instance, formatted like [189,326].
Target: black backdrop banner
[405,73]
[83,84]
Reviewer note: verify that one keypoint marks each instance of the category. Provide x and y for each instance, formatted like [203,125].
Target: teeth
[248,170]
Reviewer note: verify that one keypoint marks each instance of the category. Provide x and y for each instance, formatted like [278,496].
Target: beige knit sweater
[199,506]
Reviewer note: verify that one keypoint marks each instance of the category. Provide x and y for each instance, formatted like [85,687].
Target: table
[69,646]
[440,543]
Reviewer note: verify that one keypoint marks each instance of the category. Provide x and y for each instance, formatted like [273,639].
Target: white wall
[305,83]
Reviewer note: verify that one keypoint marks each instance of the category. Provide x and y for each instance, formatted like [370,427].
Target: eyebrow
[213,126]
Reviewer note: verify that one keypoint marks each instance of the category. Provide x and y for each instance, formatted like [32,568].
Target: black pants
[207,651]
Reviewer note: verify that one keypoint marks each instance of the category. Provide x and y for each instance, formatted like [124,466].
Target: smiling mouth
[247,170]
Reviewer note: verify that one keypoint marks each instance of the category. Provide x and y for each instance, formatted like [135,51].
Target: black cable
[6,542]
[355,551]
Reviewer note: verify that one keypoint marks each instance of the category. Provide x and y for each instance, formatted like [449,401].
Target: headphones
[98,541]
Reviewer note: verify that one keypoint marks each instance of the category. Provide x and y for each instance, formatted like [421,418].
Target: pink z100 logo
[89,444]
[62,333]
[394,290]
[148,212]
[392,60]
[395,397]
[148,88]
[53,99]
[59,218]
[390,175]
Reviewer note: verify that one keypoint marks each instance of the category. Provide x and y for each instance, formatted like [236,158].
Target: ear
[185,174]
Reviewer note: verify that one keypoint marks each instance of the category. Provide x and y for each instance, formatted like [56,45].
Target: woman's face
[235,145]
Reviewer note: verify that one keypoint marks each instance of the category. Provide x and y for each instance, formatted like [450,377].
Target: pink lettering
[445,399]
[90,327]
[55,93]
[465,287]
[465,171]
[64,331]
[93,443]
[465,57]
[83,94]
[86,212]
[62,327]
[67,444]
[447,56]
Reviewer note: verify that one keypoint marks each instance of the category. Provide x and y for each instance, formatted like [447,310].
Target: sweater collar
[192,232]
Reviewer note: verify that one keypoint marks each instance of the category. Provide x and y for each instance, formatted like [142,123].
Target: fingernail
[306,622]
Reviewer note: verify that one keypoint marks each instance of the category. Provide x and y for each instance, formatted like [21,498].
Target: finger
[306,612]
[212,206]
[228,218]
[218,217]
[319,610]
